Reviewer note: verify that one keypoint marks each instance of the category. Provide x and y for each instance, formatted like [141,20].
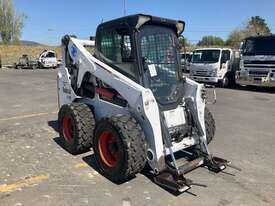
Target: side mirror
[225,59]
[223,65]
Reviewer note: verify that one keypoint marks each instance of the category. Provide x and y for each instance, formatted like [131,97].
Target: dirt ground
[36,170]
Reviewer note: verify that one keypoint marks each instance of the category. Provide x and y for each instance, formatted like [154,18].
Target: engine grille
[259,64]
[201,73]
[258,73]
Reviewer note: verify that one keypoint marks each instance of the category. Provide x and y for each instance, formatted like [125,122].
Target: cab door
[225,62]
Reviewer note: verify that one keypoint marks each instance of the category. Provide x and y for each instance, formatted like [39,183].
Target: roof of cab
[267,36]
[137,20]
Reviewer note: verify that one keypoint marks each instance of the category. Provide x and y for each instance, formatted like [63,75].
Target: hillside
[29,43]
[11,53]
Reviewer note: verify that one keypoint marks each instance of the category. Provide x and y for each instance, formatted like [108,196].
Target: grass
[10,53]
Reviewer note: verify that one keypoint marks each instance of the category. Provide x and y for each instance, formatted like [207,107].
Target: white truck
[257,65]
[47,59]
[215,65]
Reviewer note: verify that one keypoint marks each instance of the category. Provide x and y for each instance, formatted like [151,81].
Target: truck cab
[257,65]
[214,65]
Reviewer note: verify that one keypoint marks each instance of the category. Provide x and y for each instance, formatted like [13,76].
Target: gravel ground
[36,170]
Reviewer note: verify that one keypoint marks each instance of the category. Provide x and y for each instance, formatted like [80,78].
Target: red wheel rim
[67,129]
[108,149]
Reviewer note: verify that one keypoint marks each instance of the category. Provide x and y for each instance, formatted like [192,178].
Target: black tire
[210,125]
[40,66]
[123,156]
[225,82]
[76,127]
[228,81]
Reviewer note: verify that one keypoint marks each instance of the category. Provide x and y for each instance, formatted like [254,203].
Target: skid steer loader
[130,102]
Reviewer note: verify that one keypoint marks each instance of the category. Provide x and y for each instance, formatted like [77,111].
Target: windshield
[159,54]
[206,56]
[50,55]
[259,46]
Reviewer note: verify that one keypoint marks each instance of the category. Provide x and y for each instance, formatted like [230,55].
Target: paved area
[35,170]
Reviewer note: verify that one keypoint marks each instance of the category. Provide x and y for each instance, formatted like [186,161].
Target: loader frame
[139,102]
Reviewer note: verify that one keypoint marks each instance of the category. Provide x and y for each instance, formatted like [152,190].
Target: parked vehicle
[215,65]
[47,59]
[186,60]
[131,104]
[257,65]
[25,62]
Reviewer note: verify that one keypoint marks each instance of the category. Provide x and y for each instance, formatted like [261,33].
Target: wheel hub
[108,149]
[67,129]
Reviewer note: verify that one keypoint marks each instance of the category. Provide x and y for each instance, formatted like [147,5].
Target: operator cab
[145,49]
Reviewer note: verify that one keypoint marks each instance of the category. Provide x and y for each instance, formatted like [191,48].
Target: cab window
[116,48]
[225,56]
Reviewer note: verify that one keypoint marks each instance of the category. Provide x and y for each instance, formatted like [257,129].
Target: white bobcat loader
[130,102]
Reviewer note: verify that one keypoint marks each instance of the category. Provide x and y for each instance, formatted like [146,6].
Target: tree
[211,41]
[11,23]
[183,42]
[235,38]
[255,26]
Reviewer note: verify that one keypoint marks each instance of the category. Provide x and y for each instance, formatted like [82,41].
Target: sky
[48,20]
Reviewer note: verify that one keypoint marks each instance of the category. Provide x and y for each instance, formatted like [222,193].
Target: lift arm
[140,99]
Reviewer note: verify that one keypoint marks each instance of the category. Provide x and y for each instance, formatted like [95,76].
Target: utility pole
[124,7]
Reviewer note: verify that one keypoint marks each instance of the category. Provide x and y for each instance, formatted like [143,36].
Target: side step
[189,166]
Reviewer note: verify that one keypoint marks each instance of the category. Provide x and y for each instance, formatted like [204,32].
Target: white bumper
[205,79]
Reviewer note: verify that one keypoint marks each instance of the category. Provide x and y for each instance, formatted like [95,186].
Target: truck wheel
[210,125]
[225,82]
[119,147]
[76,127]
